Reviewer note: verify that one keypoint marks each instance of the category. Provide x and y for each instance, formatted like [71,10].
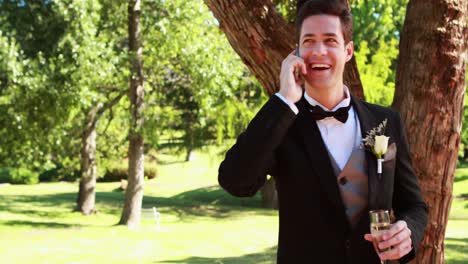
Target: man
[310,142]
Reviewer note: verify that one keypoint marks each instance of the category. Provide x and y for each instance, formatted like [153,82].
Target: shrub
[59,173]
[18,176]
[70,176]
[5,175]
[117,172]
[114,174]
[52,175]
[151,171]
[24,176]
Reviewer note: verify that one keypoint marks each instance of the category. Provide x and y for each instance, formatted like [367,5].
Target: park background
[67,119]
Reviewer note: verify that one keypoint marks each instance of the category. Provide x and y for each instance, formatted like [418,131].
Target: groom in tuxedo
[308,137]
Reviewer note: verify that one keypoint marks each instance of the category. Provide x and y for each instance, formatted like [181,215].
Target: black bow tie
[318,113]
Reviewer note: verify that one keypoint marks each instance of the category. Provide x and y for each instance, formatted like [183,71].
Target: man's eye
[331,40]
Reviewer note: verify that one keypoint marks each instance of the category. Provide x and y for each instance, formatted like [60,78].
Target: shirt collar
[343,103]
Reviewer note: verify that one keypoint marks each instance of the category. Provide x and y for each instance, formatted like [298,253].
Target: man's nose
[319,49]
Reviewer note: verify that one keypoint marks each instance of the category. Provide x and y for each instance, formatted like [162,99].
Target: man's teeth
[320,66]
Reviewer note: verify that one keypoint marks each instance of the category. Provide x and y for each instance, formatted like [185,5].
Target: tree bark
[87,189]
[134,194]
[262,38]
[429,95]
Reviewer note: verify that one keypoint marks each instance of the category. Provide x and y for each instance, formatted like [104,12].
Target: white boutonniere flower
[377,143]
[380,146]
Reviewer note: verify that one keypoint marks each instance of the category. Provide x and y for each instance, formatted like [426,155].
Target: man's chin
[318,84]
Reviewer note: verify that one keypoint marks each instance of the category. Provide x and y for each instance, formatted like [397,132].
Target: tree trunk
[429,95]
[262,38]
[189,137]
[134,193]
[189,154]
[85,202]
[87,191]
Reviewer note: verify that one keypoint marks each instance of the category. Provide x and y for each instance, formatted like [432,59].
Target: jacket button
[343,180]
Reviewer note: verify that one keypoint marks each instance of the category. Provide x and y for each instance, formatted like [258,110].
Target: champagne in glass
[379,223]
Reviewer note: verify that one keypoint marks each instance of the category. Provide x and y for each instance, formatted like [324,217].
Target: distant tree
[67,73]
[69,64]
[31,105]
[100,90]
[88,166]
[67,58]
[134,193]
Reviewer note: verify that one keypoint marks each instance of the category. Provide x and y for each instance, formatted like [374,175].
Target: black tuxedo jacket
[313,227]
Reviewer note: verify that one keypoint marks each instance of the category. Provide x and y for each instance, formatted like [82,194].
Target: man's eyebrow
[324,34]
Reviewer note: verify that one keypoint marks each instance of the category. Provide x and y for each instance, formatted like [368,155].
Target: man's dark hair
[337,8]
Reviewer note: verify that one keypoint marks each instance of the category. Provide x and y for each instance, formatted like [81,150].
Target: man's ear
[349,48]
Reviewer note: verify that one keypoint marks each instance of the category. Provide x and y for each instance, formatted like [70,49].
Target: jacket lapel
[368,121]
[317,152]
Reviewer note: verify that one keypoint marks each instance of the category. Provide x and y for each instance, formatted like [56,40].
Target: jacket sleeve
[246,165]
[408,203]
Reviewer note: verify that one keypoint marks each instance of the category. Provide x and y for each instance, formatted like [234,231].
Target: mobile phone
[297,73]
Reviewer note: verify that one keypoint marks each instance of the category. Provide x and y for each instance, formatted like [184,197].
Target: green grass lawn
[199,222]
[456,241]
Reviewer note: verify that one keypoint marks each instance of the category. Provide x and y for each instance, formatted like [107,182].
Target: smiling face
[324,51]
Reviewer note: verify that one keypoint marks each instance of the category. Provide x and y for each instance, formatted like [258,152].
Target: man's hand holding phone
[291,80]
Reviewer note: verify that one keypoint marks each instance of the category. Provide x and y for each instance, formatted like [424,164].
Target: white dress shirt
[339,138]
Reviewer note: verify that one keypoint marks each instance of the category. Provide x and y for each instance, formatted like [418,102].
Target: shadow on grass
[266,257]
[38,205]
[461,178]
[38,224]
[457,249]
[203,202]
[172,162]
[462,163]
[208,202]
[214,195]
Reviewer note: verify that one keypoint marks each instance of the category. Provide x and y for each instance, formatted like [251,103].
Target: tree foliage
[464,132]
[194,76]
[63,66]
[30,107]
[377,73]
[59,59]
[377,27]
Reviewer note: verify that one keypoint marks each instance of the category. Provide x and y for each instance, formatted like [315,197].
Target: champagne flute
[379,223]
